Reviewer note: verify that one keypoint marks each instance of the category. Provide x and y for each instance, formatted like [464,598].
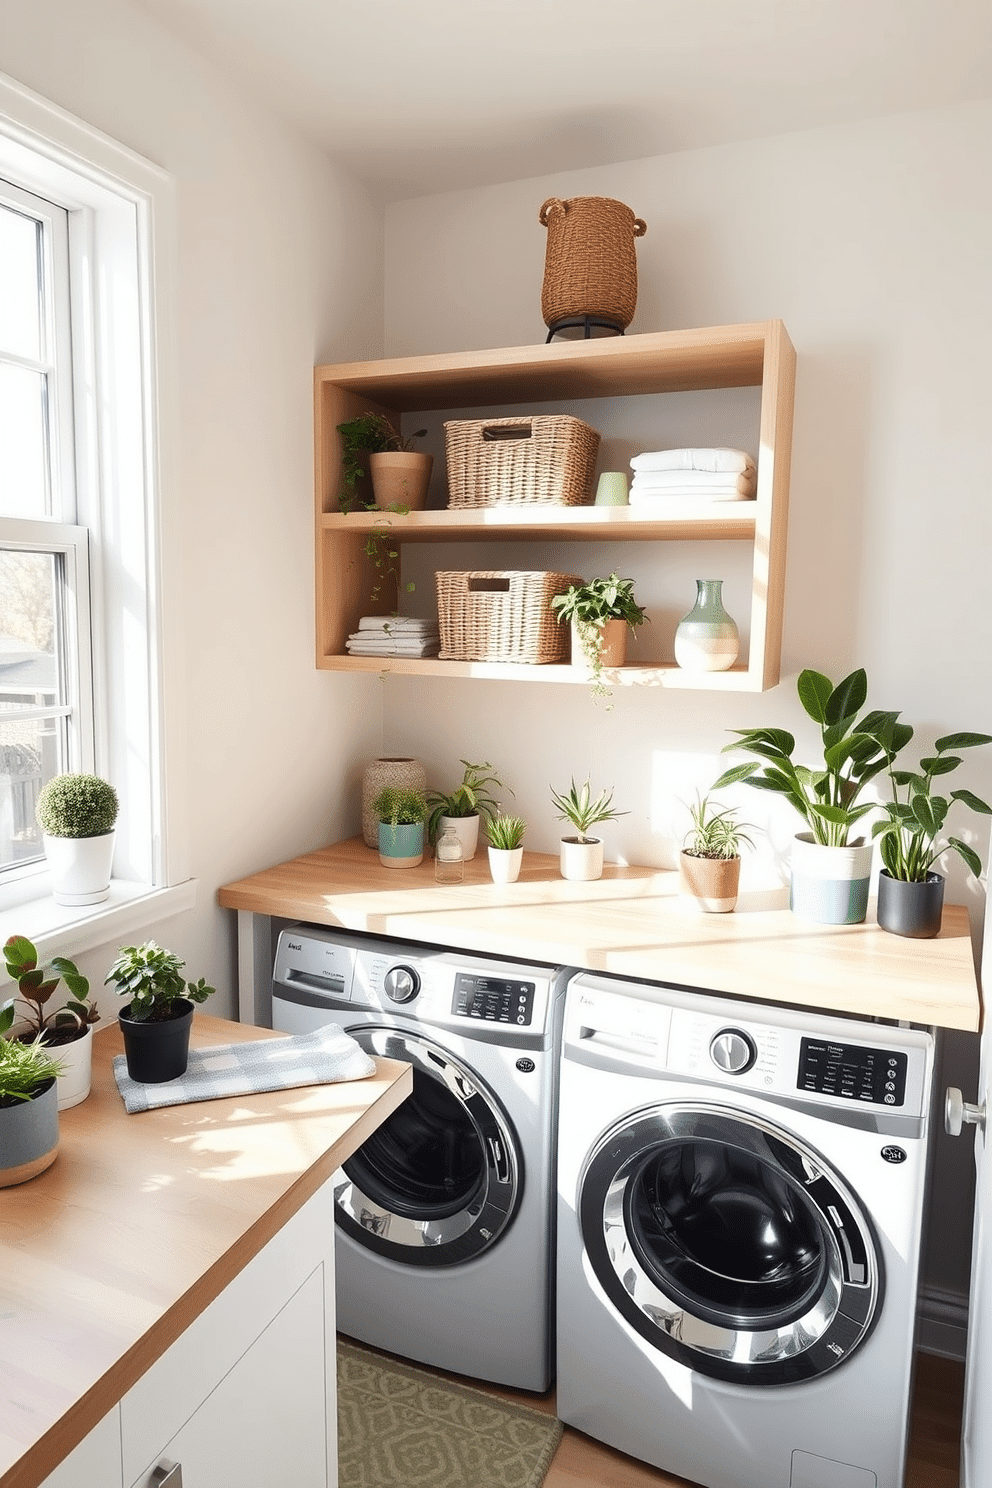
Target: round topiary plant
[77,806]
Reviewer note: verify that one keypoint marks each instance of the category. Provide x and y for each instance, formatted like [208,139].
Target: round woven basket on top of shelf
[590,268]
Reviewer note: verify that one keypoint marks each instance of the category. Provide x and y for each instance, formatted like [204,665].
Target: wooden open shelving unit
[755,355]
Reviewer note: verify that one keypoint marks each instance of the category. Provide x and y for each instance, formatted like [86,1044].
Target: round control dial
[401,984]
[733,1051]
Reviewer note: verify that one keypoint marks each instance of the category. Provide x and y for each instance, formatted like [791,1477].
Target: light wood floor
[581,1462]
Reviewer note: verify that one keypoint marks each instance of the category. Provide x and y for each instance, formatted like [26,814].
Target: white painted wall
[873,244]
[279,267]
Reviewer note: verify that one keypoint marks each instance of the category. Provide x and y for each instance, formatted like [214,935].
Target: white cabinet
[248,1389]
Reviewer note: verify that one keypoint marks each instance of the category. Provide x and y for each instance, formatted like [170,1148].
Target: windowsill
[57,929]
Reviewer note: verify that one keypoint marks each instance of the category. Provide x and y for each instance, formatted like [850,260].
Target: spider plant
[582,810]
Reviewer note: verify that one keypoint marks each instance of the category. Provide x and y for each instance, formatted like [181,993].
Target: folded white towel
[394,648]
[693,459]
[394,624]
[317,1058]
[698,482]
[659,500]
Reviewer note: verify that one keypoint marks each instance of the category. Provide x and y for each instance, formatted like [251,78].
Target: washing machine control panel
[493,999]
[853,1071]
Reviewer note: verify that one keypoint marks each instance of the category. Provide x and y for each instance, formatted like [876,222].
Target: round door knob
[733,1051]
[401,983]
[959,1113]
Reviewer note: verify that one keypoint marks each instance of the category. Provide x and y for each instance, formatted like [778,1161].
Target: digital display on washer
[493,999]
[877,1076]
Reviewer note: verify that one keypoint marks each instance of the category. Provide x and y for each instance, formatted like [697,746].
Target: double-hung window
[46,691]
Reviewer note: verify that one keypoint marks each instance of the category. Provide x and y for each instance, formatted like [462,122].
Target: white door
[976,1467]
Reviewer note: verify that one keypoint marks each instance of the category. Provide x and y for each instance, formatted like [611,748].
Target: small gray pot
[913,909]
[29,1136]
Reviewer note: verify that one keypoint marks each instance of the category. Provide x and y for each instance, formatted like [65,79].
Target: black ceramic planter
[912,909]
[157,1052]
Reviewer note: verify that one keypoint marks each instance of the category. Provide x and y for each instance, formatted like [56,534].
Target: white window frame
[121,257]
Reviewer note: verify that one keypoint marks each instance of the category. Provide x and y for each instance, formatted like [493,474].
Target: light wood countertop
[106,1258]
[633,922]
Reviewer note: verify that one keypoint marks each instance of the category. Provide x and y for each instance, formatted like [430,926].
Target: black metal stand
[586,322]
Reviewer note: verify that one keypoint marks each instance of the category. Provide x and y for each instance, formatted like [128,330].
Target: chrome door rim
[451,1238]
[834,1323]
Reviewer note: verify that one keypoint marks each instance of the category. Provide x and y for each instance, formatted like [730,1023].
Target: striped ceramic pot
[707,639]
[829,884]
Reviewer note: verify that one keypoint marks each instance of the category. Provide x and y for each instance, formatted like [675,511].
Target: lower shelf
[737,679]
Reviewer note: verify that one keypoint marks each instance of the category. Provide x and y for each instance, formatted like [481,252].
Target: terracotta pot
[711,882]
[913,909]
[580,860]
[612,635]
[401,478]
[829,884]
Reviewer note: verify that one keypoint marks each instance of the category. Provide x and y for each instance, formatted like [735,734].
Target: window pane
[20,292]
[23,442]
[31,748]
[29,755]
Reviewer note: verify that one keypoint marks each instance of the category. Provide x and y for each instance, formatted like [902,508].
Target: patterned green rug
[399,1427]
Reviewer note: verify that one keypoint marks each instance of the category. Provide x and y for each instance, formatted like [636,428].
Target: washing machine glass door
[727,1244]
[439,1181]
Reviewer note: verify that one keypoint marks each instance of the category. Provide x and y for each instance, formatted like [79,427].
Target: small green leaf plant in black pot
[156,1019]
[910,893]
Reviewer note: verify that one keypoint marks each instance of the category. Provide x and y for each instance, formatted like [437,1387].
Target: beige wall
[279,266]
[873,244]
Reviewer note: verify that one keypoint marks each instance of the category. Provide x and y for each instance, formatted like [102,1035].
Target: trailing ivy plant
[588,606]
[368,434]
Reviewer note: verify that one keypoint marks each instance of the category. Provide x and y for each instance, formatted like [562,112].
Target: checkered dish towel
[318,1058]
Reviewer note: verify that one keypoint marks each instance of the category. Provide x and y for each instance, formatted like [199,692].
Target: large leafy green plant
[855,750]
[909,836]
[36,985]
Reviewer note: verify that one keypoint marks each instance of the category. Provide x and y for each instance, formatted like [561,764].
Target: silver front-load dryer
[445,1215]
[740,1211]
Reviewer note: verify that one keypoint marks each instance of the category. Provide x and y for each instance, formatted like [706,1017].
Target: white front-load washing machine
[445,1216]
[740,1202]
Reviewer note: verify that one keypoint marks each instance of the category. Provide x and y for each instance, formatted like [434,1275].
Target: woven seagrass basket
[487,615]
[496,462]
[590,267]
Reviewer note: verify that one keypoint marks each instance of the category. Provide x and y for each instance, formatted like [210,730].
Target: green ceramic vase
[706,640]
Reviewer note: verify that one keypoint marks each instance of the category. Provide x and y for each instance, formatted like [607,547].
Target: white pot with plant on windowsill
[581,856]
[77,814]
[506,855]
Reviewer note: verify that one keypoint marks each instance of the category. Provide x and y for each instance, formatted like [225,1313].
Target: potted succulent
[155,1021]
[29,1113]
[467,805]
[910,894]
[69,1029]
[582,855]
[600,613]
[710,860]
[506,834]
[401,813]
[77,814]
[400,474]
[830,865]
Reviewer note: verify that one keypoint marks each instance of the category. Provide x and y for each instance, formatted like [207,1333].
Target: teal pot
[157,1050]
[829,884]
[401,846]
[707,640]
[29,1136]
[913,909]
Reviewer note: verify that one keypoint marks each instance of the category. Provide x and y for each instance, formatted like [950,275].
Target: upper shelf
[693,520]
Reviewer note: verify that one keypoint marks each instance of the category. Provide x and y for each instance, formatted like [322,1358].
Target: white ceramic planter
[466,829]
[581,861]
[504,863]
[77,1064]
[80,868]
[829,884]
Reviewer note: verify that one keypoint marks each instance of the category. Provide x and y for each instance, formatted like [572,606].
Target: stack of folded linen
[711,474]
[394,635]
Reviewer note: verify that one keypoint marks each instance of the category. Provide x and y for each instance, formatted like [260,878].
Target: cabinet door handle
[167,1475]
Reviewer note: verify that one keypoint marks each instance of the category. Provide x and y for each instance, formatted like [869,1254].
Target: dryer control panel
[493,999]
[853,1071]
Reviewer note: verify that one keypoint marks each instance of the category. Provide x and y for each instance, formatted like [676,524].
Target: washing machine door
[727,1244]
[440,1179]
